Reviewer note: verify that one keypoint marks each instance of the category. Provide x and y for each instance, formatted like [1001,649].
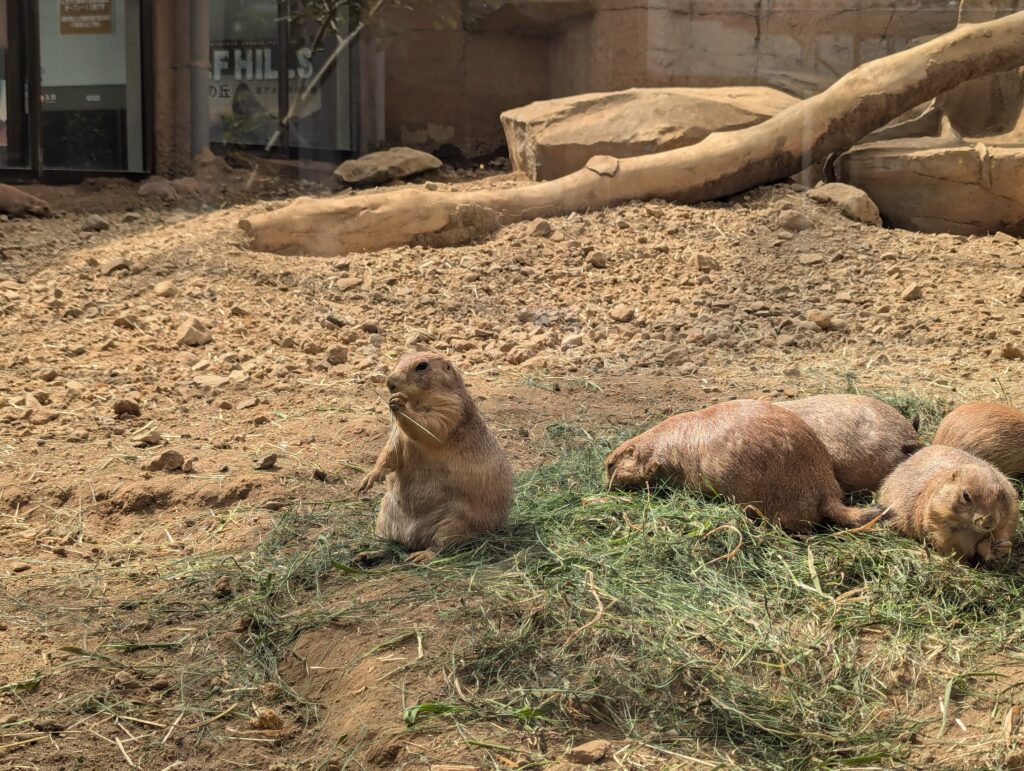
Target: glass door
[91,116]
[15,120]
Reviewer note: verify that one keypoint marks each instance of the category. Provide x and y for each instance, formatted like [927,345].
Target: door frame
[37,171]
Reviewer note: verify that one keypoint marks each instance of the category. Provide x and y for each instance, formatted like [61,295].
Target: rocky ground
[165,390]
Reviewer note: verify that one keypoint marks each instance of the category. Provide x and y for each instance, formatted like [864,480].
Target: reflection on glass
[14,129]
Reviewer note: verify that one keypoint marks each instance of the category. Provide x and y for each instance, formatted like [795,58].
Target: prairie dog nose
[392,385]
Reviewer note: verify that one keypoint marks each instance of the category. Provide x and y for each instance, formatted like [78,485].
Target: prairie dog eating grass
[449,477]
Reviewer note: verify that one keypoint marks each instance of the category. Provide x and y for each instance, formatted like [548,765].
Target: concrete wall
[448,85]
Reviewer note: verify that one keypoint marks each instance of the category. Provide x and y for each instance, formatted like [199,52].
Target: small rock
[540,228]
[117,263]
[193,332]
[1011,351]
[48,375]
[912,292]
[854,203]
[598,259]
[266,463]
[165,289]
[811,259]
[266,720]
[126,679]
[337,354]
[94,223]
[622,313]
[18,567]
[127,407]
[169,460]
[822,319]
[223,587]
[705,264]
[247,403]
[794,221]
[160,683]
[149,439]
[211,381]
[131,216]
[590,753]
[370,327]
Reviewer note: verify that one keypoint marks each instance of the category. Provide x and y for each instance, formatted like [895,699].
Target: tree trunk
[722,164]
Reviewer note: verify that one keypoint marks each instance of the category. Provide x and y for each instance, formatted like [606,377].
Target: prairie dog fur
[865,438]
[954,501]
[449,477]
[990,431]
[756,453]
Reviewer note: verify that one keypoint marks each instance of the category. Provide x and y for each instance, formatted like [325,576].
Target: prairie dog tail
[847,516]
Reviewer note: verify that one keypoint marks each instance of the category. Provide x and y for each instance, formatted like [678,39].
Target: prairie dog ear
[954,475]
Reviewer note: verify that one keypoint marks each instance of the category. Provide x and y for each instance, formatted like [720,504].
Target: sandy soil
[608,319]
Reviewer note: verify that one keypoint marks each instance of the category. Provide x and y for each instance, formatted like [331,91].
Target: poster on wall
[86,17]
[244,81]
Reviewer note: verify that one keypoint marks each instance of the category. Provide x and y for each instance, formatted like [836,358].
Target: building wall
[448,85]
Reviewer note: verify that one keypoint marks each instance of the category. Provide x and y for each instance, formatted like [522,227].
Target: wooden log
[722,164]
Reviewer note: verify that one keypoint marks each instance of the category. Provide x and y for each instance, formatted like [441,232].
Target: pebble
[598,259]
[18,567]
[149,439]
[912,292]
[337,354]
[266,463]
[794,221]
[48,375]
[127,407]
[811,259]
[822,319]
[211,381]
[540,228]
[116,263]
[1011,351]
[590,753]
[165,289]
[94,223]
[705,263]
[169,460]
[622,313]
[193,332]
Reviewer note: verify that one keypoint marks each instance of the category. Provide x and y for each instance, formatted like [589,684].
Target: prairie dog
[990,431]
[757,453]
[865,438]
[450,478]
[958,503]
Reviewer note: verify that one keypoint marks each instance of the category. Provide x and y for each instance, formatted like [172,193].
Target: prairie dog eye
[965,497]
[421,366]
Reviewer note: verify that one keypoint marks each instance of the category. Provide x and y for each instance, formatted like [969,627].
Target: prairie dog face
[415,374]
[968,500]
[627,467]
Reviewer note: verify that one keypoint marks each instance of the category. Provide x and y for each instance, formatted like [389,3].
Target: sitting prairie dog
[865,438]
[990,431]
[450,478]
[956,502]
[757,453]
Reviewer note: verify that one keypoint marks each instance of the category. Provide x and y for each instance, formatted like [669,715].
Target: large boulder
[934,185]
[957,166]
[386,165]
[555,137]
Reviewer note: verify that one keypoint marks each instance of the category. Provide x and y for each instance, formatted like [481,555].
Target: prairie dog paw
[370,480]
[421,557]
[1000,549]
[397,401]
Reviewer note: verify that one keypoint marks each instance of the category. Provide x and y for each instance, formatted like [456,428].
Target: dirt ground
[605,320]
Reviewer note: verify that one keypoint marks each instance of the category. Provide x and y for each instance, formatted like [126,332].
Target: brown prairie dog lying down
[449,478]
[865,438]
[956,502]
[756,453]
[990,431]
